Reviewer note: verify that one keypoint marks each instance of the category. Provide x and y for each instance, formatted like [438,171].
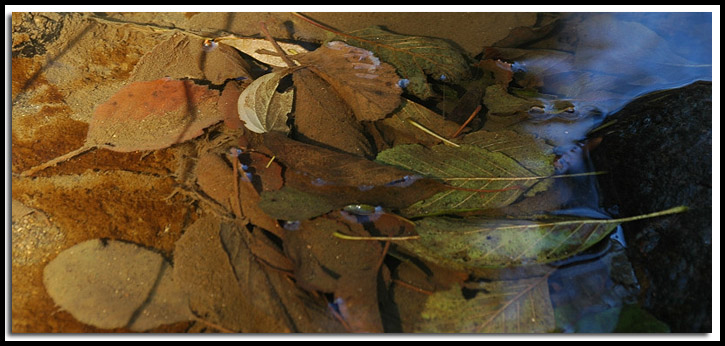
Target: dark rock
[659,155]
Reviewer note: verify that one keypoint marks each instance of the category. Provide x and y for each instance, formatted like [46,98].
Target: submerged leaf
[469,244]
[261,49]
[398,130]
[414,57]
[291,204]
[262,108]
[113,284]
[322,118]
[346,270]
[482,176]
[369,86]
[148,116]
[516,306]
[184,56]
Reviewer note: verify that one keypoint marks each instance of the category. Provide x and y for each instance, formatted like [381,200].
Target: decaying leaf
[261,49]
[291,204]
[262,108]
[147,116]
[480,178]
[322,118]
[345,269]
[368,85]
[184,56]
[397,130]
[209,280]
[269,292]
[516,306]
[474,243]
[414,57]
[114,284]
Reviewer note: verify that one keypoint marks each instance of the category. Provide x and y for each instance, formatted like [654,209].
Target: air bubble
[210,45]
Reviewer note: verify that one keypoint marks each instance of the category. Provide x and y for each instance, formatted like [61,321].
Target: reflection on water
[599,62]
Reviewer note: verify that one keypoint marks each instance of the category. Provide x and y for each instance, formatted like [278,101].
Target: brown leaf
[270,293]
[368,86]
[148,116]
[183,56]
[346,269]
[344,179]
[227,105]
[323,118]
[397,130]
[202,265]
[331,167]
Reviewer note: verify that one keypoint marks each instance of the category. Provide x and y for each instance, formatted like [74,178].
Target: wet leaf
[468,244]
[322,118]
[397,130]
[215,292]
[291,204]
[500,102]
[414,57]
[184,56]
[147,116]
[261,49]
[327,167]
[262,108]
[269,292]
[516,306]
[482,176]
[346,269]
[114,284]
[369,86]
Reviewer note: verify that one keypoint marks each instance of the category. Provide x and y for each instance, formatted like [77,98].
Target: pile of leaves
[338,197]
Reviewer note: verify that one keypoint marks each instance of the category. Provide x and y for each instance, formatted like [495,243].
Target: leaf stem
[426,130]
[57,160]
[525,178]
[473,115]
[675,210]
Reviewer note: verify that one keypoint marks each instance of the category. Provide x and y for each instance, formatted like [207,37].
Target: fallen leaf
[322,118]
[328,167]
[414,57]
[147,116]
[397,130]
[479,177]
[209,280]
[369,86]
[114,284]
[516,306]
[262,108]
[498,101]
[270,293]
[345,269]
[260,49]
[474,243]
[184,56]
[291,204]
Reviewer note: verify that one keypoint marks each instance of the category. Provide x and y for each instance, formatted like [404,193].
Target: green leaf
[291,204]
[492,173]
[516,306]
[468,244]
[414,57]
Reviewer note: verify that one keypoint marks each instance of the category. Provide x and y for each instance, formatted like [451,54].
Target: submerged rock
[659,155]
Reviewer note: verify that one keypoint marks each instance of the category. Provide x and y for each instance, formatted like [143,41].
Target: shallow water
[587,66]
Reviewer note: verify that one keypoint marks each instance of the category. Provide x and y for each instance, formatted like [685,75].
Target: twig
[473,115]
[279,50]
